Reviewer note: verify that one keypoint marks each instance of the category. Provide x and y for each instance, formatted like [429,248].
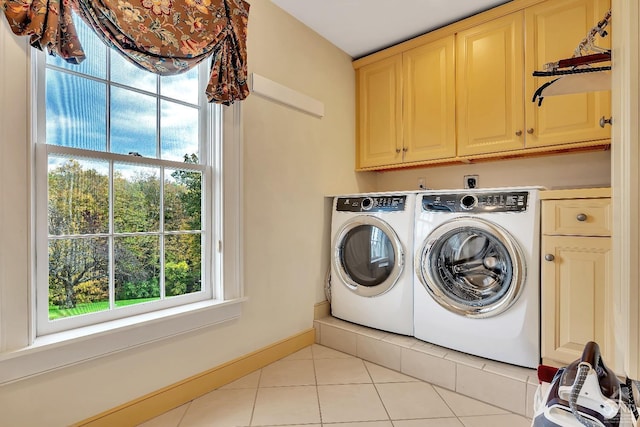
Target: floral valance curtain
[165,37]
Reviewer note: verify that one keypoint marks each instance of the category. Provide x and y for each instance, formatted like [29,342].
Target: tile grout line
[255,399]
[315,377]
[446,402]
[184,414]
[375,386]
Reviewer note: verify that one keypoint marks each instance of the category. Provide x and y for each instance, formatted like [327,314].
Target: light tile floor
[319,387]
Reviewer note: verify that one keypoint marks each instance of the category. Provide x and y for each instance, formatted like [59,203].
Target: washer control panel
[476,202]
[371,204]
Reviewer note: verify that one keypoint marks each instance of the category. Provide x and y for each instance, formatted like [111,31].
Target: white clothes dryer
[477,282]
[371,280]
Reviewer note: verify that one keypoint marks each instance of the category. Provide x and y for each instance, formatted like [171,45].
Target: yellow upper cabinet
[489,94]
[465,91]
[405,107]
[379,112]
[495,83]
[554,29]
[429,101]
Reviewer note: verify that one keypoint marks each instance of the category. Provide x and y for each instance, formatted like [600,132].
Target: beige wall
[291,160]
[592,169]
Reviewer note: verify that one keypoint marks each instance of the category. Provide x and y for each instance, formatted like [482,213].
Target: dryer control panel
[371,204]
[476,202]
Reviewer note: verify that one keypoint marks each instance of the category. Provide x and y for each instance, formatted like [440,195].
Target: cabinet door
[489,92]
[576,294]
[379,108]
[429,101]
[554,29]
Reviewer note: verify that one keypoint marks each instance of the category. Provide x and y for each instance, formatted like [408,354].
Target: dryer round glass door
[472,267]
[368,256]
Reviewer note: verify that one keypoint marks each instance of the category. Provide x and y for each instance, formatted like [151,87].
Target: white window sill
[70,347]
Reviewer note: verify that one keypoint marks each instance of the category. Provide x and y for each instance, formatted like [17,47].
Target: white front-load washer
[371,280]
[477,283]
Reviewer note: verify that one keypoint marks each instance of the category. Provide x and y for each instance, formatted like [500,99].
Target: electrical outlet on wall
[471,181]
[422,184]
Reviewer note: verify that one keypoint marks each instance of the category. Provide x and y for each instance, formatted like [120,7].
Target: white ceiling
[360,27]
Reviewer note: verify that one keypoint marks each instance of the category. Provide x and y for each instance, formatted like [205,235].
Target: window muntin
[126,164]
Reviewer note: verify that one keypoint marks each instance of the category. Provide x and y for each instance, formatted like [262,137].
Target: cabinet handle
[405,149]
[604,121]
[397,151]
[530,131]
[549,257]
[518,133]
[581,217]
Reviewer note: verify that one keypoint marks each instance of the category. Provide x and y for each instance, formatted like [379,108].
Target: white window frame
[23,353]
[210,150]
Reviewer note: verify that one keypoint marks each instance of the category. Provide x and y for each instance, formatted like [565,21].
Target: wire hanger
[573,70]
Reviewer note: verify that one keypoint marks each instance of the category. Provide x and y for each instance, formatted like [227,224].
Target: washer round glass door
[472,267]
[368,256]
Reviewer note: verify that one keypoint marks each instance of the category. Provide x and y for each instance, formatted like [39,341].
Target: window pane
[122,230]
[137,269]
[78,196]
[133,123]
[124,72]
[179,130]
[76,112]
[95,63]
[182,200]
[136,199]
[78,276]
[183,87]
[182,271]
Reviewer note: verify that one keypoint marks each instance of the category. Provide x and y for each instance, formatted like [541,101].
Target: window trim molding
[232,192]
[21,354]
[15,222]
[83,344]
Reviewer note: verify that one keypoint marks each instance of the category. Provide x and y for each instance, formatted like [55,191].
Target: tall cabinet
[576,274]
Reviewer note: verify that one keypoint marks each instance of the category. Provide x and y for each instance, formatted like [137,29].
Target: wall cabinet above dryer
[495,83]
[553,30]
[464,92]
[490,97]
[405,107]
[379,112]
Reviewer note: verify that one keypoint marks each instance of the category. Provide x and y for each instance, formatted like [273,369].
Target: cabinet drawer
[578,217]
